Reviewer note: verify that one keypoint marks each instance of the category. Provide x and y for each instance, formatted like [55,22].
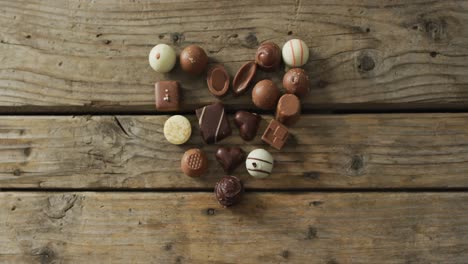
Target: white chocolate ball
[295,53]
[259,163]
[162,58]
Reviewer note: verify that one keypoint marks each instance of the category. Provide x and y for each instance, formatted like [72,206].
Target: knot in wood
[366,63]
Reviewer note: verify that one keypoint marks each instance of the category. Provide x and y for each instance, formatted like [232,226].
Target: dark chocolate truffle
[288,109]
[193,60]
[265,94]
[296,81]
[228,191]
[268,56]
[194,163]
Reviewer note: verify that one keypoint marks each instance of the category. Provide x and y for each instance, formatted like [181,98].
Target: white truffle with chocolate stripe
[259,163]
[295,53]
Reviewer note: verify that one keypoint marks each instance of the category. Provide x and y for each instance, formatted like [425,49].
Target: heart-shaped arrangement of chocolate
[230,158]
[247,124]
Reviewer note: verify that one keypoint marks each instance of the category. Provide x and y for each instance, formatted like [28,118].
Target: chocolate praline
[265,94]
[193,60]
[268,56]
[194,163]
[228,191]
[296,81]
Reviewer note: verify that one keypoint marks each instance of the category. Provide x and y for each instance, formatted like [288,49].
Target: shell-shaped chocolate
[243,77]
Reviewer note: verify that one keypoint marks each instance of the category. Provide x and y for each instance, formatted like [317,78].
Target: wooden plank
[91,56]
[324,151]
[264,228]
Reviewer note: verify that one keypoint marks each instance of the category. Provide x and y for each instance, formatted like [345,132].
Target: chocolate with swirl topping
[229,191]
[268,56]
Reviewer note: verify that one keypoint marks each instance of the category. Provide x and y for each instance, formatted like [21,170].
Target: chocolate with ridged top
[214,125]
[194,163]
[268,56]
[228,191]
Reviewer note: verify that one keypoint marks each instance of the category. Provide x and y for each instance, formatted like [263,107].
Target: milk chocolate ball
[268,56]
[265,94]
[228,191]
[193,60]
[296,81]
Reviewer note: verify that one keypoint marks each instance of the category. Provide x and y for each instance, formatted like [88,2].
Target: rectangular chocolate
[276,134]
[214,125]
[167,95]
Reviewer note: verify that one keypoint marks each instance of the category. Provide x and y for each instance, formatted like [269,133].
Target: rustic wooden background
[376,170]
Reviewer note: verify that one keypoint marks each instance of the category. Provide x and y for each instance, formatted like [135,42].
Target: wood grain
[324,151]
[91,56]
[265,228]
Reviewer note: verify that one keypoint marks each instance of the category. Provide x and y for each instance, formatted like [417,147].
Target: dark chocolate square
[214,125]
[276,134]
[167,95]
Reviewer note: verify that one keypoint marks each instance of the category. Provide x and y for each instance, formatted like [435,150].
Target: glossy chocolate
[214,125]
[218,80]
[244,76]
[276,134]
[230,158]
[228,191]
[296,81]
[265,94]
[247,123]
[193,60]
[268,56]
[167,95]
[194,163]
[288,109]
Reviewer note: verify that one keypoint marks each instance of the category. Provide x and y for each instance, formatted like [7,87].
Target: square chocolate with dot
[167,95]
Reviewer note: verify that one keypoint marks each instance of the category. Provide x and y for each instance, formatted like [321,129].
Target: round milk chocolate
[288,109]
[296,81]
[243,77]
[268,56]
[218,80]
[228,191]
[193,60]
[265,94]
[194,163]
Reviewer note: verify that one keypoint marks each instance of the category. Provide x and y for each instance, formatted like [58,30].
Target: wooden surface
[91,56]
[325,151]
[264,228]
[376,171]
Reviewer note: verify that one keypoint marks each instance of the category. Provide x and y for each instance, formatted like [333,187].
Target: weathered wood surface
[91,56]
[264,228]
[325,151]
